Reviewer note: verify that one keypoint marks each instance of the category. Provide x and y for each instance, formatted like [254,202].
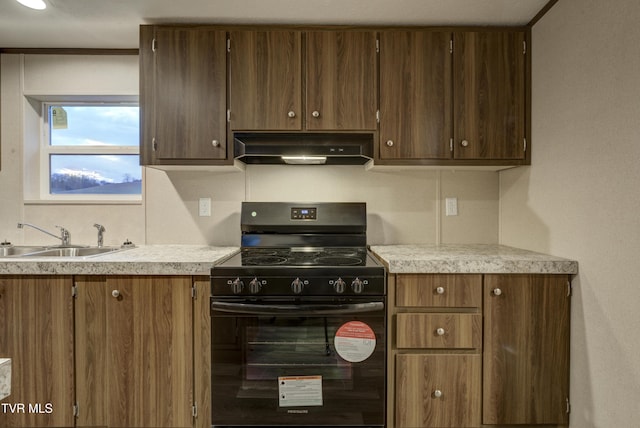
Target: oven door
[298,362]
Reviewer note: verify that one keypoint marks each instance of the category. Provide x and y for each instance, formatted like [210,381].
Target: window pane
[100,125]
[95,174]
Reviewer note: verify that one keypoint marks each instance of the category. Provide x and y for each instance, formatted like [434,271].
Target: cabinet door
[415,95]
[437,390]
[341,80]
[265,90]
[134,353]
[36,332]
[190,93]
[526,350]
[489,95]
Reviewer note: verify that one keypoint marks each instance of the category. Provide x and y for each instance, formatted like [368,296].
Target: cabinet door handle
[440,290]
[440,331]
[291,114]
[464,143]
[389,143]
[496,292]
[315,113]
[115,293]
[437,393]
[215,143]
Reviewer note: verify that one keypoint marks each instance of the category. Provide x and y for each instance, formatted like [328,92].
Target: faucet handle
[65,236]
[99,227]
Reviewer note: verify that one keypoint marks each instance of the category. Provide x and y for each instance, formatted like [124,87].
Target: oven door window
[298,369]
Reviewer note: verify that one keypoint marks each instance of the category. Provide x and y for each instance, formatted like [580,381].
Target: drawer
[445,291]
[438,390]
[439,331]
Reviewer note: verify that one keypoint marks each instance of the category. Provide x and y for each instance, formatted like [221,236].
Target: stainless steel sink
[19,250]
[40,251]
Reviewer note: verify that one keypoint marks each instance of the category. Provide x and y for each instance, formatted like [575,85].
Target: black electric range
[300,249]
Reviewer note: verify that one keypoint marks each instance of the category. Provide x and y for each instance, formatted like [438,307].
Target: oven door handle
[297,309]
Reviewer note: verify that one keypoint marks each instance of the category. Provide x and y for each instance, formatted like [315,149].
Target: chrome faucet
[65,236]
[101,230]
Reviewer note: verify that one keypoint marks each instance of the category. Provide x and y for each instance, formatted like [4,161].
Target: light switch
[204,207]
[451,206]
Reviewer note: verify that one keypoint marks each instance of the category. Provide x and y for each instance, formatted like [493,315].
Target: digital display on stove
[302,213]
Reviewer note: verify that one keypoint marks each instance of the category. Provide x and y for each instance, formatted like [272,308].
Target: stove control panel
[304,213]
[330,285]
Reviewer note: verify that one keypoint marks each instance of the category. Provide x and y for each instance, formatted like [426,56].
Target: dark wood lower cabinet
[134,351]
[438,390]
[36,332]
[502,360]
[526,352]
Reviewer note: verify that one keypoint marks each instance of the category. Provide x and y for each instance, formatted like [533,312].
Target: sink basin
[20,250]
[40,251]
[73,251]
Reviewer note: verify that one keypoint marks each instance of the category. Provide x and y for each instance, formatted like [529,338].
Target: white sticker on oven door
[300,391]
[355,341]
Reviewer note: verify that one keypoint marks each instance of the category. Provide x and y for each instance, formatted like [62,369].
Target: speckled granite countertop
[474,258]
[143,260]
[198,260]
[5,377]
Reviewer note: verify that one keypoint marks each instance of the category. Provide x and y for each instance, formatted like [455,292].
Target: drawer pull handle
[440,331]
[497,292]
[440,290]
[437,393]
[115,293]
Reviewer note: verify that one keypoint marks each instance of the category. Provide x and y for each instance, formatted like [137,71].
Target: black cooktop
[342,256]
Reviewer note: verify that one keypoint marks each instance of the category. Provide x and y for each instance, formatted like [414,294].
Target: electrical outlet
[204,207]
[451,206]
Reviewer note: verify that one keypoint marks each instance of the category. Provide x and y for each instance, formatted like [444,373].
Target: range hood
[303,148]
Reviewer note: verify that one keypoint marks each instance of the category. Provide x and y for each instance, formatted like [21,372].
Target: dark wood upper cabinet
[415,95]
[439,96]
[183,94]
[489,95]
[526,349]
[271,87]
[341,77]
[265,80]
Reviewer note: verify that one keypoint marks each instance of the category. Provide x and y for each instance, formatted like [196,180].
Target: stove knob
[255,286]
[357,286]
[339,285]
[237,286]
[297,285]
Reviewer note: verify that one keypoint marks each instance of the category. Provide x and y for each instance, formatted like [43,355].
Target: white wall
[404,206]
[580,198]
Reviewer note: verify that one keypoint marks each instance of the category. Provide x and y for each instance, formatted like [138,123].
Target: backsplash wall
[404,206]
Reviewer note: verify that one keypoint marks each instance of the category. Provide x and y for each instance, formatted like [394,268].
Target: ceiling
[113,24]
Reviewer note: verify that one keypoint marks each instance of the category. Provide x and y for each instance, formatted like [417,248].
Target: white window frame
[46,150]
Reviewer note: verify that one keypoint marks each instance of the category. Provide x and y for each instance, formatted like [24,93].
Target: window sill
[81,202]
